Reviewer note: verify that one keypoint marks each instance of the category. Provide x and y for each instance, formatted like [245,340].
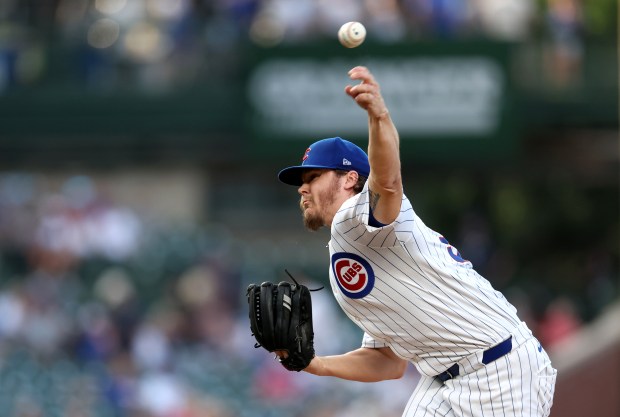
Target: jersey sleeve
[352,223]
[369,342]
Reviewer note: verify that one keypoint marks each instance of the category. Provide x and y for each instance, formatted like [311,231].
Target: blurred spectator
[439,18]
[79,223]
[330,15]
[565,22]
[559,322]
[507,20]
[385,20]
[158,45]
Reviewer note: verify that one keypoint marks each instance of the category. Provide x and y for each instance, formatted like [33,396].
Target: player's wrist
[316,366]
[381,115]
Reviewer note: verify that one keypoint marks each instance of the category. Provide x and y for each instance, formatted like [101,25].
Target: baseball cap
[330,153]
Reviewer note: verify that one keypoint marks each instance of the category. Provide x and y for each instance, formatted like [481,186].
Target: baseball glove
[281,321]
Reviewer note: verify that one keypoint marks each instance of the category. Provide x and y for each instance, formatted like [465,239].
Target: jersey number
[454,253]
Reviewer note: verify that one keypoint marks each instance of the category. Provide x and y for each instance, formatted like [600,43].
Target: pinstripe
[500,379]
[422,390]
[436,370]
[549,395]
[368,325]
[502,389]
[521,380]
[461,395]
[387,235]
[396,312]
[459,282]
[524,378]
[346,232]
[447,410]
[414,396]
[418,298]
[479,394]
[449,395]
[506,330]
[401,271]
[453,300]
[431,400]
[422,300]
[531,367]
[434,309]
[509,367]
[490,402]
[470,272]
[439,288]
[357,309]
[470,399]
[375,235]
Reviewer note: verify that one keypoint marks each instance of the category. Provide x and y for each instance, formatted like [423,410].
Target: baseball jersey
[407,288]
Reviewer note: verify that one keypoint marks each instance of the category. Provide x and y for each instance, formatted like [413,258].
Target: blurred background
[139,146]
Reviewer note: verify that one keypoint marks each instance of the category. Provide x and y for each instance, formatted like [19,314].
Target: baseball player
[416,299]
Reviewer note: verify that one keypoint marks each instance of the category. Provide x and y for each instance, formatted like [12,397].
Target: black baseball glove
[281,321]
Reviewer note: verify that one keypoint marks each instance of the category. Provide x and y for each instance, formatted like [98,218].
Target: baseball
[352,34]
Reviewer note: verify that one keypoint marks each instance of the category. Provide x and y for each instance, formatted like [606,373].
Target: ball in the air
[352,34]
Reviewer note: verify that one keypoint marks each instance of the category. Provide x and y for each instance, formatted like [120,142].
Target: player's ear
[351,180]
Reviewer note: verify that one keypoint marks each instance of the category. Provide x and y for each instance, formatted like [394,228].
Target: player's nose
[303,189]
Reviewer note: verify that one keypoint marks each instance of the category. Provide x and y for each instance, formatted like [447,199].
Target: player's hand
[367,93]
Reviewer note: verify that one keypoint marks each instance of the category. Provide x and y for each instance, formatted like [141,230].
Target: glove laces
[296,283]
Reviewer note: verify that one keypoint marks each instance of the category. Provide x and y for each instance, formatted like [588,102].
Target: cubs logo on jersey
[353,274]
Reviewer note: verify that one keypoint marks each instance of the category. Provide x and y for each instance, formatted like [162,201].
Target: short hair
[361,181]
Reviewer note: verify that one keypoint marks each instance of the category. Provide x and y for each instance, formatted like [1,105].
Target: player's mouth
[304,204]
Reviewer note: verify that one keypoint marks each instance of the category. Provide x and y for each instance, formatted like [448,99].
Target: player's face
[319,193]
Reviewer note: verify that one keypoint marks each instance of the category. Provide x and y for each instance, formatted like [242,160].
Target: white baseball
[352,34]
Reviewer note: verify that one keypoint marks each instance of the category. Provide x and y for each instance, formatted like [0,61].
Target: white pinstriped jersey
[407,288]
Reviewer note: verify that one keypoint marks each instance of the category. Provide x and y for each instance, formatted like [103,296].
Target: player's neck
[337,205]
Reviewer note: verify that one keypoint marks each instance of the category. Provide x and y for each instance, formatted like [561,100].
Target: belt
[488,356]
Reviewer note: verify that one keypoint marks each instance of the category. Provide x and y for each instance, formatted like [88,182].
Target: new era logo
[345,161]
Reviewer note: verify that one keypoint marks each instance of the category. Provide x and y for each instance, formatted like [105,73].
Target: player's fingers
[351,92]
[364,88]
[363,74]
[364,99]
[358,71]
[372,103]
[357,90]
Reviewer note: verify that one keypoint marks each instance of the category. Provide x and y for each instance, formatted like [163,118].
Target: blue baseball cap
[330,153]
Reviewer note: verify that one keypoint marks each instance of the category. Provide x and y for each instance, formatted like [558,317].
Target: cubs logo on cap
[330,153]
[353,274]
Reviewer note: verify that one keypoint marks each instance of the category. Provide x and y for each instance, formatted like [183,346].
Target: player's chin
[312,222]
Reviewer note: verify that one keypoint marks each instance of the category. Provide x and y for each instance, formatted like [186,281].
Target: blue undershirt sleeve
[372,221]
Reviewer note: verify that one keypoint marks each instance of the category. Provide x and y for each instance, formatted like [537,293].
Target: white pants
[520,383]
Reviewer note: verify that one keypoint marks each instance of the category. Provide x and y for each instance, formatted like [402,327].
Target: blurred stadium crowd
[147,41]
[105,311]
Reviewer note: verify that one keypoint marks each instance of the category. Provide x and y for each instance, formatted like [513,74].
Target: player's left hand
[281,321]
[367,94]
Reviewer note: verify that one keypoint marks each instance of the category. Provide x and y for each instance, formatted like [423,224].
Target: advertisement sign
[427,96]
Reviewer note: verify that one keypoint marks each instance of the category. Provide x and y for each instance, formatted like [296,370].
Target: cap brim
[292,175]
